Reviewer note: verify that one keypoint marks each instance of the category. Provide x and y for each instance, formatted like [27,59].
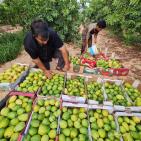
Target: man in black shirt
[43,44]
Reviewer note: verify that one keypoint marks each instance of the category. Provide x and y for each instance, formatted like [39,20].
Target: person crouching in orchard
[89,36]
[42,44]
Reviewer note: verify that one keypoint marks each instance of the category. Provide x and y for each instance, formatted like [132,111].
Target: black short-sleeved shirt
[45,52]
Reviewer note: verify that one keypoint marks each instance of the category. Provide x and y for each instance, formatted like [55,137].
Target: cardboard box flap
[100,107]
[73,98]
[117,114]
[119,108]
[94,102]
[67,104]
[133,109]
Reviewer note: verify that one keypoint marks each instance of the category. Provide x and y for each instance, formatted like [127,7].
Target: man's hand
[66,67]
[48,74]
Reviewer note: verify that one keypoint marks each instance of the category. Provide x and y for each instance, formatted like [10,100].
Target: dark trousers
[57,55]
[61,62]
[84,42]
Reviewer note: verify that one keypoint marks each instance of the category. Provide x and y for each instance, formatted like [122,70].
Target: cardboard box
[98,80]
[10,86]
[101,107]
[110,102]
[30,119]
[5,103]
[120,114]
[78,105]
[71,98]
[49,95]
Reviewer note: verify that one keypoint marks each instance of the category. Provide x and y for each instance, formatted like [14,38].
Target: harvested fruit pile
[133,93]
[116,94]
[95,92]
[108,64]
[54,86]
[100,64]
[13,117]
[44,121]
[75,60]
[32,82]
[74,125]
[12,74]
[103,126]
[79,114]
[103,63]
[130,128]
[87,56]
[75,87]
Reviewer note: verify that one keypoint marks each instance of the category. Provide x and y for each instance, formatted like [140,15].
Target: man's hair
[40,28]
[101,23]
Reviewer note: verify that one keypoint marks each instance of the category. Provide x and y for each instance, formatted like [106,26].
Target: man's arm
[95,38]
[65,57]
[39,63]
[85,35]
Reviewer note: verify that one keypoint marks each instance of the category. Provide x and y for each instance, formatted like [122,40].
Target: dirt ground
[24,58]
[129,55]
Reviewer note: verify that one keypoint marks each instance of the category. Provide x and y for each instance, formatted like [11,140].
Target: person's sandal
[59,69]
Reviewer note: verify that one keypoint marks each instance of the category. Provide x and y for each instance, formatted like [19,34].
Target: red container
[115,72]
